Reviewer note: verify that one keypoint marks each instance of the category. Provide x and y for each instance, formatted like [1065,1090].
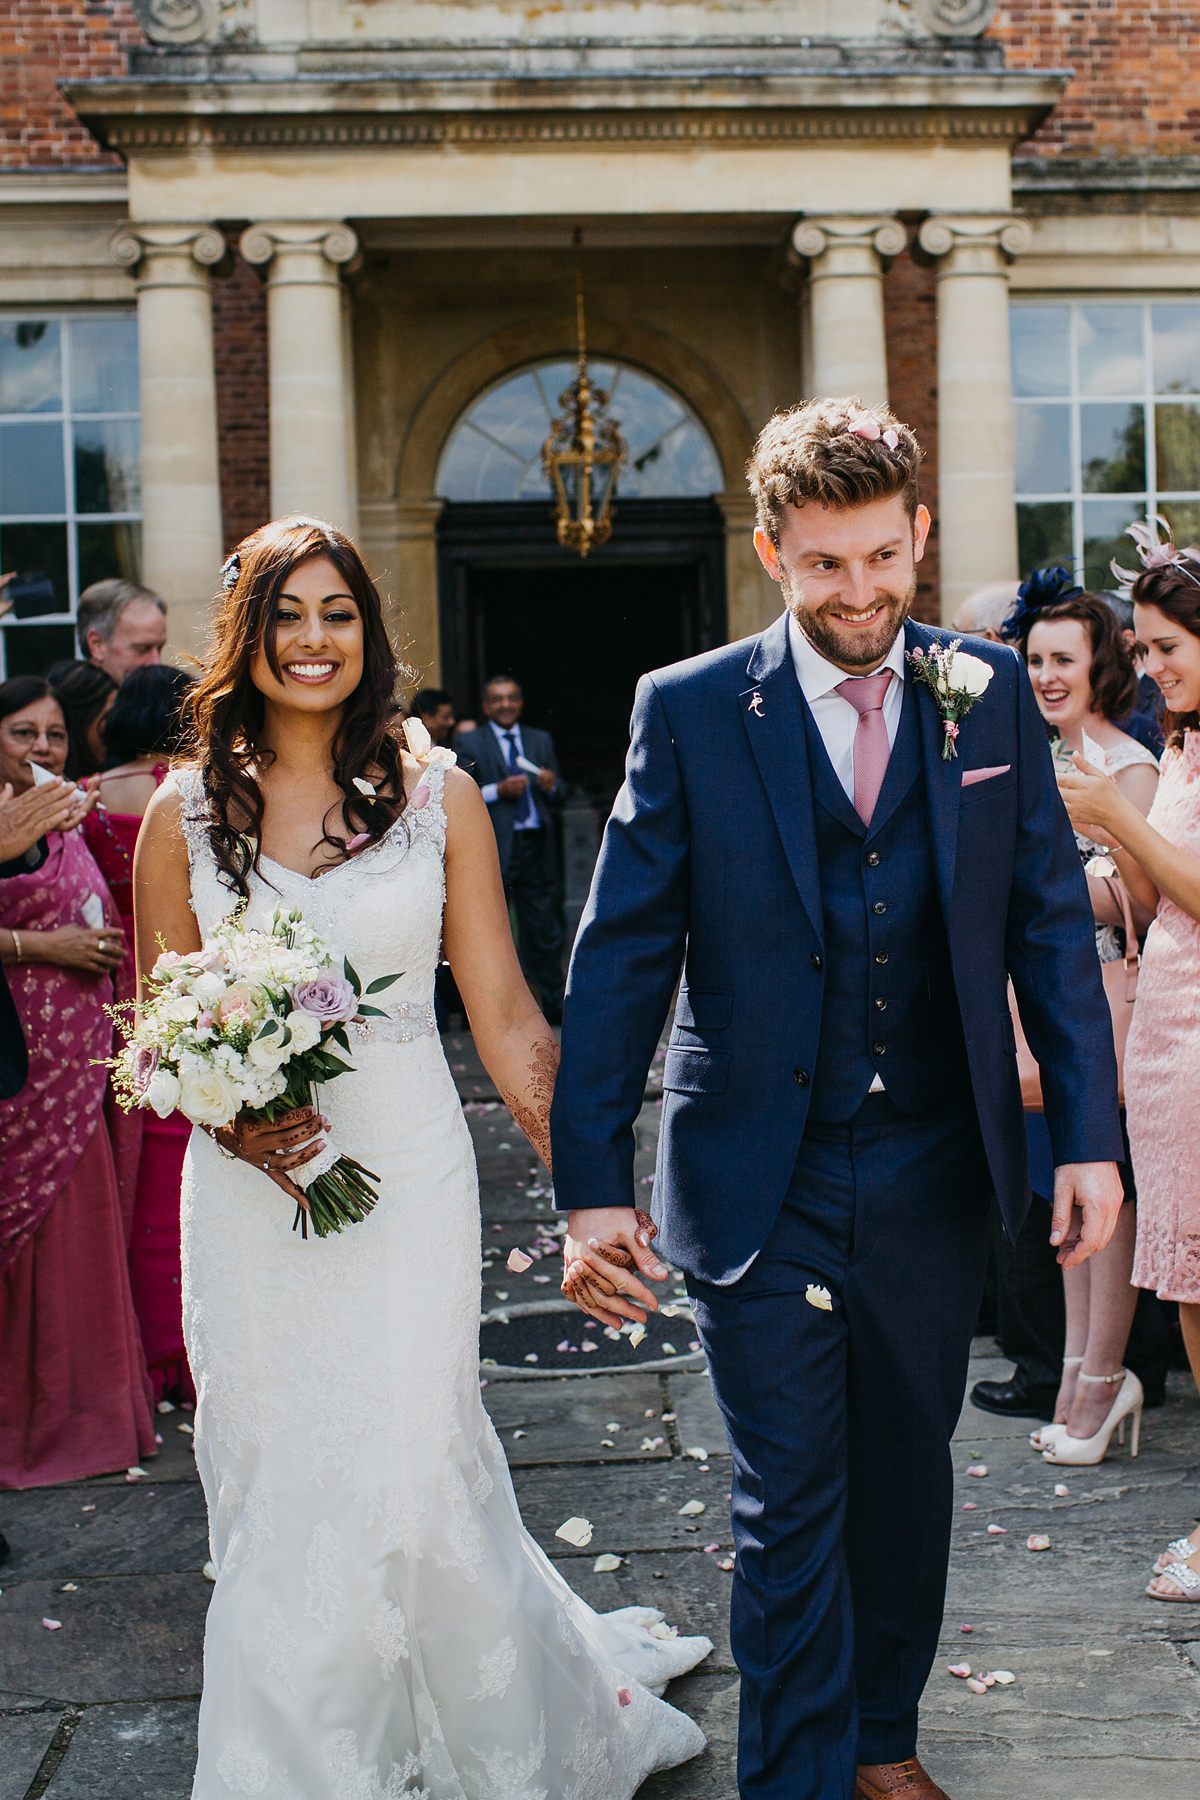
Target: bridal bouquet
[242,1028]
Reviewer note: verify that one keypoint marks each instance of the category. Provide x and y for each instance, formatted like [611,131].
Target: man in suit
[841,1096]
[522,801]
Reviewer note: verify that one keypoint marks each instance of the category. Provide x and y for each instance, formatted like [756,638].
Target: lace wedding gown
[382,1626]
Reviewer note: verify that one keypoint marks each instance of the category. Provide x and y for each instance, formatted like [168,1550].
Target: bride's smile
[316,659]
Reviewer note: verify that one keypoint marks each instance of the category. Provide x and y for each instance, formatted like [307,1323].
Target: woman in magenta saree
[74,1398]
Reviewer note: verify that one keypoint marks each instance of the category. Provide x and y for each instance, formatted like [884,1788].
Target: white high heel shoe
[1083,1451]
[1044,1436]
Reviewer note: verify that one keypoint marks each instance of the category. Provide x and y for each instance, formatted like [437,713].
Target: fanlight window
[494,452]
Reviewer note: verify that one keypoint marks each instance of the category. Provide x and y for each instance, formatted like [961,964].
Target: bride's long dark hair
[226,711]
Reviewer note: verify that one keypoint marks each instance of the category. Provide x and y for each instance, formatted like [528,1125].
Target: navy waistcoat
[889,1004]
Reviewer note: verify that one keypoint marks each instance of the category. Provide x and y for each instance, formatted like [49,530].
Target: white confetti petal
[691,1509]
[819,1297]
[518,1262]
[604,1565]
[575,1531]
[364,787]
[636,1336]
[1035,1541]
[669,1350]
[209,1571]
[1061,1490]
[1003,1677]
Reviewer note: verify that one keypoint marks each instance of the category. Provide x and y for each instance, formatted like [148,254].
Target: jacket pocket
[703,1010]
[695,1071]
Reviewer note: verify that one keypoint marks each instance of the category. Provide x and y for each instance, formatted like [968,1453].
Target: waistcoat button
[800,1077]
[882,957]
[872,859]
[879,1049]
[880,906]
[814,959]
[880,1004]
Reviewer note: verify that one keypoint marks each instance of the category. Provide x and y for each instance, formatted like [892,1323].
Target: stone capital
[848,247]
[974,243]
[167,255]
[300,254]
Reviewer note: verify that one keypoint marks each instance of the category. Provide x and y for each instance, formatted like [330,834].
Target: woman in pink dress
[143,730]
[74,1399]
[1159,860]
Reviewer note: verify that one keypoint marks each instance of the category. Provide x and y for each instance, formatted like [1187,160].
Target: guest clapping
[1159,860]
[1083,678]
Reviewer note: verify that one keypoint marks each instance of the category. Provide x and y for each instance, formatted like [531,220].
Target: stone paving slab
[568,1421]
[123,1638]
[688,1587]
[630,1507]
[132,1531]
[24,1741]
[129,1751]
[712,1700]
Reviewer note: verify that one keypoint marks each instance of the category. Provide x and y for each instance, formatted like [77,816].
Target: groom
[840,1092]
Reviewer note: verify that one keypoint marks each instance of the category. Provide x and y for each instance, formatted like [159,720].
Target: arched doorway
[577,634]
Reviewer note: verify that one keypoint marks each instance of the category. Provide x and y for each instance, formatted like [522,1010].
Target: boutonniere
[955,679]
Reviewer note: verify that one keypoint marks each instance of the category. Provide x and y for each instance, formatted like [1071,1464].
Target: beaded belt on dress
[406,1021]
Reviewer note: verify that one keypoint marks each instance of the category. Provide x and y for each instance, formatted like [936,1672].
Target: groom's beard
[851,646]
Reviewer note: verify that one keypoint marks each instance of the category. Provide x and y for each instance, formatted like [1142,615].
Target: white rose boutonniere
[956,679]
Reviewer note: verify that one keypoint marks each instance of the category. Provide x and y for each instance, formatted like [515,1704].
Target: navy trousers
[839,1422]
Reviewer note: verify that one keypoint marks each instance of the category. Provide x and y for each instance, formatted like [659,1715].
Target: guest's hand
[547,780]
[1087,1200]
[1094,803]
[294,1139]
[606,1286]
[79,947]
[512,787]
[55,806]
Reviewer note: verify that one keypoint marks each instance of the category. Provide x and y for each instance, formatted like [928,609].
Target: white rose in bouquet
[208,987]
[208,1097]
[305,1030]
[969,673]
[163,1092]
[182,1009]
[268,1049]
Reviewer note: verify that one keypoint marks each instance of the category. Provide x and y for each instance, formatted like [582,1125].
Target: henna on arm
[531,1108]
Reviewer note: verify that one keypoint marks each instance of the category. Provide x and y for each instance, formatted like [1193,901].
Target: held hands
[601,1250]
[1094,803]
[1087,1200]
[294,1139]
[56,806]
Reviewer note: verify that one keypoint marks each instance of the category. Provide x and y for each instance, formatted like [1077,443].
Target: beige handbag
[1120,986]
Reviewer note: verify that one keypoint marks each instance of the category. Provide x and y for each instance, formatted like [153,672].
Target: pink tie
[871,748]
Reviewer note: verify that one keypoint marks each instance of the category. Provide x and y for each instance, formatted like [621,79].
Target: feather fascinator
[1155,552]
[1041,588]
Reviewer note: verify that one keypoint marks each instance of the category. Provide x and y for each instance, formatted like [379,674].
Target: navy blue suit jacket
[482,756]
[709,862]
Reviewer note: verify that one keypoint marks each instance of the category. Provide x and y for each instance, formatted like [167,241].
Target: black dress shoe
[1016,1398]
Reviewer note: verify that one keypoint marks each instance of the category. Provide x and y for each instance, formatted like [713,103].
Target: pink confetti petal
[976,1686]
[970,1506]
[997,1530]
[52,1624]
[962,1670]
[966,1628]
[420,798]
[357,842]
[624,1697]
[1035,1541]
[891,439]
[726,1564]
[978,1470]
[709,1548]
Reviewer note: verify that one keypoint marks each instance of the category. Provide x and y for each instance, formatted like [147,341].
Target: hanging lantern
[585,450]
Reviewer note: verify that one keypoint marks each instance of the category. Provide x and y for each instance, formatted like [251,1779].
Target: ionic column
[181,490]
[847,339]
[977,525]
[311,453]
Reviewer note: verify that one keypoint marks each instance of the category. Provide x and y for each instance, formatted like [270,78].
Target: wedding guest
[86,694]
[982,613]
[435,709]
[1083,680]
[145,729]
[74,1399]
[121,625]
[522,801]
[1149,702]
[1159,860]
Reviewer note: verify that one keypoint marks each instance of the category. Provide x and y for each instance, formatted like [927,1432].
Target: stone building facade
[271,255]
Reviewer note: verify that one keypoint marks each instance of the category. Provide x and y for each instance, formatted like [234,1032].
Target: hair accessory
[1155,553]
[1041,588]
[231,569]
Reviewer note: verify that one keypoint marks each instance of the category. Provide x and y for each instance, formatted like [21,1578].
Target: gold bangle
[16,938]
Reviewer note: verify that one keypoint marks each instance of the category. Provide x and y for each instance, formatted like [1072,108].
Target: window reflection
[104,371]
[1111,356]
[30,366]
[1112,449]
[494,452]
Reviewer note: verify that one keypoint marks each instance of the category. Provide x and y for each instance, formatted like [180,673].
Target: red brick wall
[240,355]
[1134,90]
[910,309]
[44,41]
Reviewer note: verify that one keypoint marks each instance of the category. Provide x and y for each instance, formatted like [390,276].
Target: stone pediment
[294,23]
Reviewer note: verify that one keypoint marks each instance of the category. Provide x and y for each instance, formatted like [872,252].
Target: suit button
[814,959]
[881,1004]
[882,957]
[872,859]
[879,1049]
[880,906]
[800,1077]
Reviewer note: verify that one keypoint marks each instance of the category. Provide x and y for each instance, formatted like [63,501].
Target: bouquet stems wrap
[337,1189]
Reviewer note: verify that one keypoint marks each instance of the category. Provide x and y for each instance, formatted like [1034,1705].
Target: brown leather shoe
[898,1781]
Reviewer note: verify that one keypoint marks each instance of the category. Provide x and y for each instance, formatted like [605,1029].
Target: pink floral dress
[1162,1060]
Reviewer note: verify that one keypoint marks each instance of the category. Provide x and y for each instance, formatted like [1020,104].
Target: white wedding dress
[382,1626]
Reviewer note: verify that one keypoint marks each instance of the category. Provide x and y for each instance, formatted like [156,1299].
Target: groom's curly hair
[814,452]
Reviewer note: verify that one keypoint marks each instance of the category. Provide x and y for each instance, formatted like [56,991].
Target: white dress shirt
[835,718]
[489,792]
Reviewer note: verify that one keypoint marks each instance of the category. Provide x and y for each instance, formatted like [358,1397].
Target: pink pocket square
[971,776]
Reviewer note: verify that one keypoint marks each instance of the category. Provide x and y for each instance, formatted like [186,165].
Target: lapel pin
[756,704]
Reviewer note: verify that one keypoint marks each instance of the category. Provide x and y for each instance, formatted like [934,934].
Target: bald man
[983,612]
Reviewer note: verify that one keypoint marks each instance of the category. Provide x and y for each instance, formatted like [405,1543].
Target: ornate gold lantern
[585,449]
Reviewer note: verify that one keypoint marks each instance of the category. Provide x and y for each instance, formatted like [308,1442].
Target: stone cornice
[1106,174]
[312,112]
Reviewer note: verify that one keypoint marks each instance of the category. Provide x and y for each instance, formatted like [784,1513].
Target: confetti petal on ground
[607,1444]
[691,1509]
[818,1297]
[518,1262]
[1061,1490]
[970,1506]
[91,1508]
[586,1345]
[612,1333]
[997,1530]
[727,1564]
[669,1350]
[1003,1677]
[988,1680]
[52,1624]
[604,1565]
[209,1571]
[624,1696]
[520,1434]
[962,1670]
[966,1628]
[697,1453]
[565,1345]
[636,1336]
[978,1470]
[649,1413]
[709,1548]
[611,1425]
[1035,1541]
[976,1686]
[668,1418]
[68,1587]
[575,1531]
[165,1406]
[532,1357]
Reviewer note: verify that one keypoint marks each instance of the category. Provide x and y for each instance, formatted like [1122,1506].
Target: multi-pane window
[1107,405]
[70,496]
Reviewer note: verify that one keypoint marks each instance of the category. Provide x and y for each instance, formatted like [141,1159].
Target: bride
[382,1626]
